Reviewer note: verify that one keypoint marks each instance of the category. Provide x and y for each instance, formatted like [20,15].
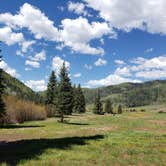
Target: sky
[102,42]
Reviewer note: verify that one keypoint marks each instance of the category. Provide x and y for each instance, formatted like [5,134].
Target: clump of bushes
[133,110]
[161,112]
[143,110]
[19,111]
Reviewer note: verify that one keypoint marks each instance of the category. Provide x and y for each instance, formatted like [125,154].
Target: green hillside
[15,87]
[131,94]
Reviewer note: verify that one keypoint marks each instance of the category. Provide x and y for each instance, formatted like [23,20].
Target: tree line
[61,97]
[98,107]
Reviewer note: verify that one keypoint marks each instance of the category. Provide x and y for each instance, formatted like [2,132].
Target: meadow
[132,138]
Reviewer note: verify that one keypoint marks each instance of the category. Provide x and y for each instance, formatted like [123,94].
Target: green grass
[137,138]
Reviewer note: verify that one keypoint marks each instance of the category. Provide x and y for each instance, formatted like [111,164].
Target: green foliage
[16,88]
[131,94]
[79,100]
[98,106]
[108,107]
[2,104]
[119,109]
[51,95]
[65,94]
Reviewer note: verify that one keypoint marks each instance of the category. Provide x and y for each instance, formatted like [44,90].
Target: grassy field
[137,138]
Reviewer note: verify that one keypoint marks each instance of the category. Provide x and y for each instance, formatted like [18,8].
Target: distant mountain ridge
[129,94]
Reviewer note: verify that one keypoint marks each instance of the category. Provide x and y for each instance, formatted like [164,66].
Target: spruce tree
[65,97]
[98,107]
[51,95]
[119,109]
[79,100]
[2,104]
[108,107]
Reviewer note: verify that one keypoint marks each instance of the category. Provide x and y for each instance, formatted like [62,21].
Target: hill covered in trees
[17,88]
[131,94]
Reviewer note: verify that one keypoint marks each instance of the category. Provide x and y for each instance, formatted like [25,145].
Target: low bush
[19,111]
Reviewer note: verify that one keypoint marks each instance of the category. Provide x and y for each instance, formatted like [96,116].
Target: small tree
[108,107]
[2,104]
[98,107]
[51,95]
[79,100]
[65,96]
[119,109]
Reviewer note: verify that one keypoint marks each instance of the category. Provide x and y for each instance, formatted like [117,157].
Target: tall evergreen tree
[98,107]
[51,95]
[79,100]
[108,107]
[2,104]
[119,109]
[65,97]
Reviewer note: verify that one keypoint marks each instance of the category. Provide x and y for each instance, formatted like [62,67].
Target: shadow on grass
[19,126]
[13,152]
[74,123]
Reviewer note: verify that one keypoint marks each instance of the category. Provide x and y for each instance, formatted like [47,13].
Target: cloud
[149,50]
[39,85]
[77,33]
[26,45]
[32,63]
[9,37]
[57,63]
[41,56]
[112,79]
[120,62]
[88,67]
[77,75]
[73,33]
[100,62]
[78,8]
[125,71]
[8,69]
[146,15]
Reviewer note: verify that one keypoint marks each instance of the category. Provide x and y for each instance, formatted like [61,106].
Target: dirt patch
[158,122]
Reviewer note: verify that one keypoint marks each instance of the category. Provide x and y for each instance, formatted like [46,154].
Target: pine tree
[79,100]
[2,104]
[51,95]
[119,109]
[65,97]
[108,107]
[98,107]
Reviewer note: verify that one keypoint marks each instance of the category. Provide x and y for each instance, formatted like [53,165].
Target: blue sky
[102,42]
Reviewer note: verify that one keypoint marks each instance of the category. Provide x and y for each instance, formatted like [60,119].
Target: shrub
[19,111]
[119,109]
[143,110]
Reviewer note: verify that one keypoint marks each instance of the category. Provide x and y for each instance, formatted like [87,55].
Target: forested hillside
[131,94]
[16,88]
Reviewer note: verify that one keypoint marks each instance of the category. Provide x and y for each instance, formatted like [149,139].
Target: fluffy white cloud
[77,75]
[125,71]
[112,79]
[39,85]
[41,56]
[9,37]
[8,69]
[146,15]
[26,45]
[100,62]
[120,62]
[33,19]
[32,63]
[77,33]
[57,63]
[74,33]
[78,8]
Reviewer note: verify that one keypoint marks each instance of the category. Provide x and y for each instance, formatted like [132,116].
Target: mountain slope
[131,94]
[15,87]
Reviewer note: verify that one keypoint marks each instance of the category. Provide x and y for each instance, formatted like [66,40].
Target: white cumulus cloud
[36,85]
[100,62]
